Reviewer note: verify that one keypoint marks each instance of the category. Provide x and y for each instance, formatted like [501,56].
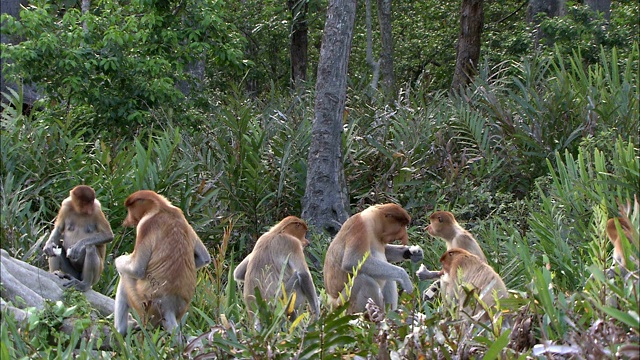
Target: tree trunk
[551,8]
[468,52]
[85,6]
[373,64]
[13,7]
[325,204]
[299,40]
[33,285]
[603,6]
[386,55]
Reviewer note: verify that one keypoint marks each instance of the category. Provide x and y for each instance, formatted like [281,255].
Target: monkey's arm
[302,280]
[241,269]
[134,267]
[377,269]
[54,239]
[201,254]
[309,291]
[397,253]
[425,274]
[75,251]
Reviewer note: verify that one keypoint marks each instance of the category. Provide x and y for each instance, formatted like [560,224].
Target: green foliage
[532,159]
[111,65]
[581,29]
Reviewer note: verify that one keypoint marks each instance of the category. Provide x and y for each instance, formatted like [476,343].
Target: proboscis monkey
[466,269]
[372,231]
[614,237]
[277,259]
[77,245]
[444,225]
[158,279]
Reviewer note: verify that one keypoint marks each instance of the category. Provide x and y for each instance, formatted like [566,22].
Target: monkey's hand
[75,252]
[414,253]
[406,284]
[50,249]
[424,274]
[77,284]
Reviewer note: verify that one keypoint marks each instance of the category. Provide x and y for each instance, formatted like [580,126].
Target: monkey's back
[334,276]
[268,262]
[480,275]
[170,278]
[466,241]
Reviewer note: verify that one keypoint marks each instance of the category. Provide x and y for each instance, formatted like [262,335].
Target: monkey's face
[82,198]
[304,242]
[430,230]
[135,212]
[87,208]
[393,231]
[440,220]
[445,260]
[612,230]
[297,229]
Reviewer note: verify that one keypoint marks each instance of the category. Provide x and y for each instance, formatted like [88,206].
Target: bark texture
[299,40]
[386,54]
[469,42]
[551,8]
[34,285]
[325,203]
[603,6]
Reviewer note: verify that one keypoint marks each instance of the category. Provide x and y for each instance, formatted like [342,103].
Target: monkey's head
[391,223]
[449,256]
[294,226]
[82,198]
[442,224]
[141,203]
[612,231]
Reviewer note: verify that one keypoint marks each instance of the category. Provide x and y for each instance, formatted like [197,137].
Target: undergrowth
[532,163]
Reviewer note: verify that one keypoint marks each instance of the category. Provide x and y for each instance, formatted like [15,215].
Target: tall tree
[468,49]
[603,6]
[325,204]
[550,8]
[299,40]
[374,64]
[386,55]
[29,95]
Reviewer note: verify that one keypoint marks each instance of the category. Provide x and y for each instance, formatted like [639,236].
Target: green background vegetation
[531,158]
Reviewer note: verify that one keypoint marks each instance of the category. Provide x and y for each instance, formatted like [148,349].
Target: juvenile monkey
[158,279]
[614,237]
[444,225]
[466,269]
[82,232]
[278,258]
[372,231]
[618,255]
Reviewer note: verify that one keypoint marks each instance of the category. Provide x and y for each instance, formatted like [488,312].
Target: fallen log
[20,280]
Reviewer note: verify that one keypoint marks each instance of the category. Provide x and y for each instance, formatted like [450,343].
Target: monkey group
[158,279]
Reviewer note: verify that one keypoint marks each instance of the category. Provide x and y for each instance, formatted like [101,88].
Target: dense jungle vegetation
[533,157]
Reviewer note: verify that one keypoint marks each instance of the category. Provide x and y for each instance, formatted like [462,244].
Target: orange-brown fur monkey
[614,237]
[82,231]
[466,269]
[276,259]
[159,278]
[371,230]
[444,225]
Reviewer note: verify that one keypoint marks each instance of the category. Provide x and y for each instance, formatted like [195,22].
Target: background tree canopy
[195,100]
